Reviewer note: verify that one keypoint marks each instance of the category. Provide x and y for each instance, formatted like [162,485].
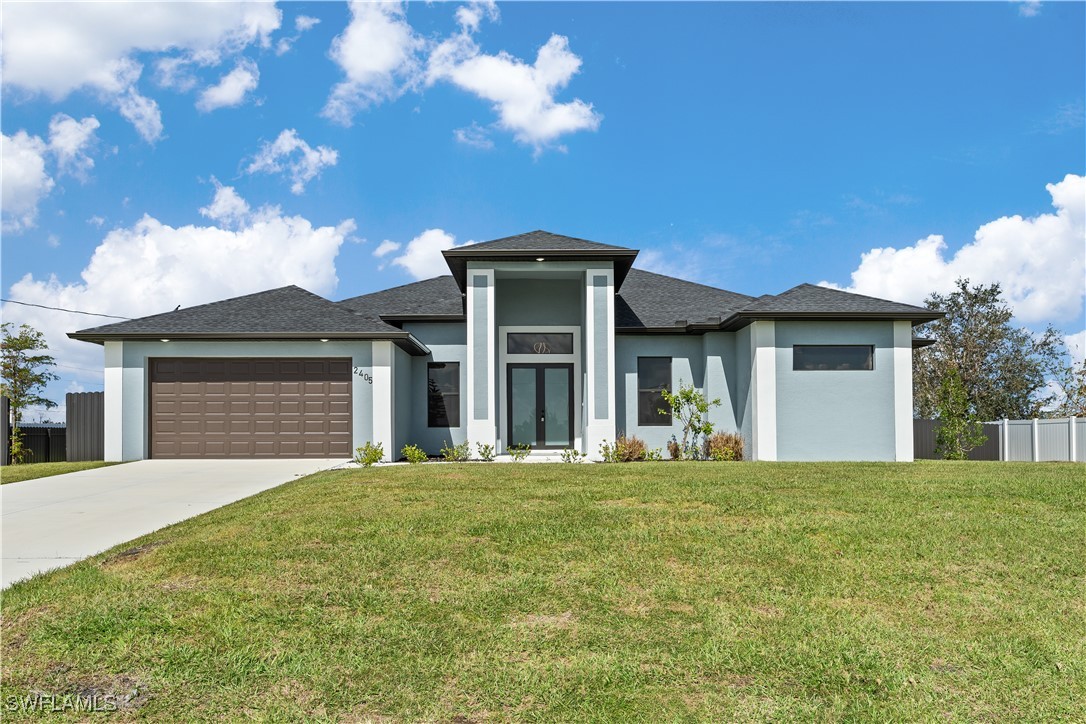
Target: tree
[24,374]
[691,408]
[1003,369]
[959,429]
[1071,379]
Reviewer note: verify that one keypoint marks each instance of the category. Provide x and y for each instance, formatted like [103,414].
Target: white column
[1005,448]
[763,348]
[599,393]
[114,401]
[384,410]
[482,412]
[903,391]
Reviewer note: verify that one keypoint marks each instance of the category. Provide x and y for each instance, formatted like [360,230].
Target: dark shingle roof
[287,311]
[538,244]
[654,300]
[809,299]
[437,297]
[540,240]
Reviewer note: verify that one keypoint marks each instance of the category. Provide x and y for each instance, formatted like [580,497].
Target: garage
[262,407]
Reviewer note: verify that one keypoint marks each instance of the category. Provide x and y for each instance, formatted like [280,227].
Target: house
[542,339]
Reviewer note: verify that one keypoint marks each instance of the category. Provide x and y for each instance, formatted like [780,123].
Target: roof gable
[812,299]
[540,240]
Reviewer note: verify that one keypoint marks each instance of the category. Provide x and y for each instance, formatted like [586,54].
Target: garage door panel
[250,407]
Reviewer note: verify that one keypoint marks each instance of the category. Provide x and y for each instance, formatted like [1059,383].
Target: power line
[60,309]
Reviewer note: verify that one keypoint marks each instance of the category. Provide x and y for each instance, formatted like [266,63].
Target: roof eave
[742,319]
[404,340]
[458,258]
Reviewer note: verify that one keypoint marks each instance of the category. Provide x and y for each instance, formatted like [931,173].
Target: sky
[165,154]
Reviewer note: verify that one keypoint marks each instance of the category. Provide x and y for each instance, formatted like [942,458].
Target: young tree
[24,373]
[1003,369]
[691,408]
[959,429]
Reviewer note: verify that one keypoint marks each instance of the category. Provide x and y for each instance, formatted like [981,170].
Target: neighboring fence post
[1071,438]
[1005,446]
[4,427]
[1036,441]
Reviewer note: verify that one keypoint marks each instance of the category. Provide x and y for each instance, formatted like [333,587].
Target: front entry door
[540,405]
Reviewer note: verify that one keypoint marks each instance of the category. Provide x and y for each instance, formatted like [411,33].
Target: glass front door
[540,405]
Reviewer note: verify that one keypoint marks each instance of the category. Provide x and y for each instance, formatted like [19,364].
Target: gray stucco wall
[835,415]
[743,401]
[687,366]
[448,343]
[133,430]
[538,302]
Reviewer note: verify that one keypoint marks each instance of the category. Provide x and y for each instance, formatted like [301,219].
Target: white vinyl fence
[1041,440]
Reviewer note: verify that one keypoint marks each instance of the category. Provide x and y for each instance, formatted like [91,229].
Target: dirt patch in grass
[542,620]
[130,554]
[123,691]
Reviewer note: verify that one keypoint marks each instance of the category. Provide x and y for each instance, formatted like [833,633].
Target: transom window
[653,377]
[539,343]
[443,394]
[848,357]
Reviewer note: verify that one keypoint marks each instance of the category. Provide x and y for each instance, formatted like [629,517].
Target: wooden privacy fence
[1062,438]
[81,437]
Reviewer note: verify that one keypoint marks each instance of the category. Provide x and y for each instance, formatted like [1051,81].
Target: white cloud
[422,258]
[290,154]
[25,180]
[97,221]
[522,95]
[471,15]
[57,49]
[475,136]
[232,88]
[227,206]
[377,53]
[1029,8]
[68,139]
[303,23]
[152,267]
[386,247]
[1038,261]
[142,112]
[1076,345]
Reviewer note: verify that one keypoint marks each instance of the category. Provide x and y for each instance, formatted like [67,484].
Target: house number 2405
[361,372]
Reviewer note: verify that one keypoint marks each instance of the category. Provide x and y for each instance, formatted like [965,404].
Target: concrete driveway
[52,522]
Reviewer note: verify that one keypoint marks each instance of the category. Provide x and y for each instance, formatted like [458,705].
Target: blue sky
[752,146]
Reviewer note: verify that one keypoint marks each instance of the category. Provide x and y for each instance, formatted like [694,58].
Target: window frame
[450,412]
[870,357]
[657,419]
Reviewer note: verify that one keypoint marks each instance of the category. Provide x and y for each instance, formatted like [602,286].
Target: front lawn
[29,471]
[652,592]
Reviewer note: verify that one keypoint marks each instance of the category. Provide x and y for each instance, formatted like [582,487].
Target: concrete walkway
[53,522]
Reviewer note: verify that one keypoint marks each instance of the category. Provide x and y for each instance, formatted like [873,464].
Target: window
[539,343]
[833,357]
[653,376]
[443,394]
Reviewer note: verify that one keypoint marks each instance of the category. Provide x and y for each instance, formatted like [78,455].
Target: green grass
[641,592]
[30,471]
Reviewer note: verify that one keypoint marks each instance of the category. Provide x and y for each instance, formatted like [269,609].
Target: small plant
[570,455]
[629,449]
[673,449]
[959,429]
[486,452]
[369,454]
[519,452]
[456,453]
[691,408]
[608,452]
[655,455]
[414,454]
[724,446]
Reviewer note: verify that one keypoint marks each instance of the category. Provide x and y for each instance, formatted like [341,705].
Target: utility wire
[59,309]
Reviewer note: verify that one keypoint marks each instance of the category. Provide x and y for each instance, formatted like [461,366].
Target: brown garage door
[221,408]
